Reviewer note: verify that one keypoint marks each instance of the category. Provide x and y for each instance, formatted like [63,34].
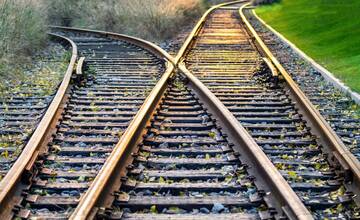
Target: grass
[154,20]
[22,32]
[327,30]
[22,27]
[23,23]
[42,76]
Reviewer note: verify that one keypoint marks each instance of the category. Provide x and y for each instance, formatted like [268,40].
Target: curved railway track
[230,137]
[91,114]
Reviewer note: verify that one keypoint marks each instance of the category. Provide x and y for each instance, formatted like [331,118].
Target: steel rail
[103,184]
[294,208]
[336,148]
[106,181]
[197,28]
[137,41]
[101,189]
[25,162]
[32,149]
[281,190]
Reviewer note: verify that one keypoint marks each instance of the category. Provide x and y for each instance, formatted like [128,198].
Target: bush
[23,22]
[262,2]
[209,3]
[22,32]
[22,27]
[160,19]
[61,12]
[151,19]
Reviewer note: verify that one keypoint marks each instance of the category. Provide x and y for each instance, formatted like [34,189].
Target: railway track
[186,168]
[230,64]
[85,137]
[229,136]
[96,111]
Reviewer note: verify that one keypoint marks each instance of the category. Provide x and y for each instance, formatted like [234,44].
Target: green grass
[327,30]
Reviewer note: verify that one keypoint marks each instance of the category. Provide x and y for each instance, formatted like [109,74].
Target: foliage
[23,23]
[22,32]
[152,19]
[263,2]
[62,12]
[22,27]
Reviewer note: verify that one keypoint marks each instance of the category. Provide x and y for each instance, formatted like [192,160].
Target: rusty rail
[9,187]
[104,183]
[289,201]
[137,41]
[294,208]
[197,28]
[108,180]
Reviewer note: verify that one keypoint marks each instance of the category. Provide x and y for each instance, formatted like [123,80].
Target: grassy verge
[326,30]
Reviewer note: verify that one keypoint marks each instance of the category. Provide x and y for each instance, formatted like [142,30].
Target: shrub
[262,2]
[61,12]
[22,32]
[22,27]
[152,19]
[23,22]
